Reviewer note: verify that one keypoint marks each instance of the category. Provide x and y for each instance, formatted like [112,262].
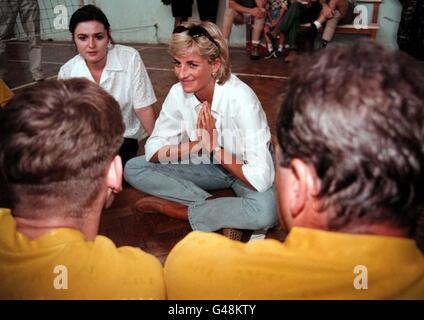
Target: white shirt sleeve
[258,167]
[143,93]
[168,126]
[62,74]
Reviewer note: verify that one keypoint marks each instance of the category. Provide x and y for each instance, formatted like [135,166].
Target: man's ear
[303,181]
[114,175]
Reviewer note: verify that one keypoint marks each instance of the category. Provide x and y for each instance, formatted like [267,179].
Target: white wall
[149,21]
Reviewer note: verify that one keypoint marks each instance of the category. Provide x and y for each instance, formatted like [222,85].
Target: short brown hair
[355,114]
[56,141]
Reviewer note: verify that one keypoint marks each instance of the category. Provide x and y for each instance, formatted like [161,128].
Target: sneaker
[270,55]
[254,53]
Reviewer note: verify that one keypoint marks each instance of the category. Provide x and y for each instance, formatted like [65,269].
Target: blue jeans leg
[187,184]
[250,210]
[182,183]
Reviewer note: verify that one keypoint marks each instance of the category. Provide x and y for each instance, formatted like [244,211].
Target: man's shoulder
[211,243]
[135,269]
[125,254]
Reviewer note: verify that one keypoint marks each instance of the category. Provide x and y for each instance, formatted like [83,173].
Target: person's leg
[281,44]
[128,150]
[330,28]
[310,14]
[181,10]
[182,183]
[229,16]
[208,9]
[29,12]
[186,184]
[269,44]
[258,28]
[8,14]
[290,18]
[250,210]
[289,25]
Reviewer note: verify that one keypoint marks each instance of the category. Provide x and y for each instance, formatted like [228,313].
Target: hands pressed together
[206,129]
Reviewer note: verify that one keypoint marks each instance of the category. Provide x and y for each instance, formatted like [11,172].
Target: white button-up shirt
[241,125]
[125,78]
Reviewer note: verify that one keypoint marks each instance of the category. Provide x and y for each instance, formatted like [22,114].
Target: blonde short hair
[182,44]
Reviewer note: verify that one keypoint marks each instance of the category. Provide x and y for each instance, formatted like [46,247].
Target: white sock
[255,43]
[317,24]
[270,48]
[280,47]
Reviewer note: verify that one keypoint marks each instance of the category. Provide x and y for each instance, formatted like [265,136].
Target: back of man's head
[355,114]
[56,142]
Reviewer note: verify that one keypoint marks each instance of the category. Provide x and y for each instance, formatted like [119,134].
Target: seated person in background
[275,10]
[208,9]
[116,68]
[350,180]
[181,10]
[240,10]
[211,134]
[299,12]
[333,13]
[58,157]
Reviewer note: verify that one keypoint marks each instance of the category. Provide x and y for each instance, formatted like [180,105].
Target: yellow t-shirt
[5,93]
[62,265]
[310,264]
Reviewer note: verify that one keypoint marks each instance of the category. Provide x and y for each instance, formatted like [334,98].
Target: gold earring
[214,75]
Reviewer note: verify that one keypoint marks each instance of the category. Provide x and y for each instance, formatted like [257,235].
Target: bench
[369,29]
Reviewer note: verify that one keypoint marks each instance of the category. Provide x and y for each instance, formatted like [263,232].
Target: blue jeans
[187,184]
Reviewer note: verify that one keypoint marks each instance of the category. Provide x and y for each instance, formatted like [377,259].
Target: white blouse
[241,125]
[125,78]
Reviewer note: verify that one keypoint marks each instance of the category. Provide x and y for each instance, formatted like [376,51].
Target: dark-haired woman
[117,69]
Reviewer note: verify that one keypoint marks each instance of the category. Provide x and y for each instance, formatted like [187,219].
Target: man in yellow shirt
[59,145]
[350,181]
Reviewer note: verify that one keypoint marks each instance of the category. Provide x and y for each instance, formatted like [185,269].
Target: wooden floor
[156,233]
